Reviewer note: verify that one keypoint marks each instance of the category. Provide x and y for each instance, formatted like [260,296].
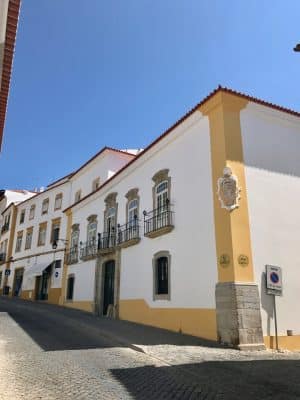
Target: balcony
[72,255]
[129,234]
[158,222]
[88,250]
[2,258]
[107,242]
[5,228]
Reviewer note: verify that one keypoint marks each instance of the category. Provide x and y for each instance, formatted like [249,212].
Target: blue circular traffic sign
[274,277]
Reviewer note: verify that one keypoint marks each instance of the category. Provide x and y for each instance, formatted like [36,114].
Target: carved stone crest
[228,190]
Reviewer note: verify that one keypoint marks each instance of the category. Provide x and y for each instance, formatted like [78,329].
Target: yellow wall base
[27,294]
[54,295]
[80,305]
[199,322]
[284,342]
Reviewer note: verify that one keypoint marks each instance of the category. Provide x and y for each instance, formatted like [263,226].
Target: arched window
[133,212]
[161,275]
[92,232]
[70,287]
[161,199]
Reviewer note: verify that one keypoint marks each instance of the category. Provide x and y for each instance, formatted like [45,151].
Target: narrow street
[48,352]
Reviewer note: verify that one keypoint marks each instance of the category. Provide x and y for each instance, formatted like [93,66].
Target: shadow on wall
[267,303]
[233,380]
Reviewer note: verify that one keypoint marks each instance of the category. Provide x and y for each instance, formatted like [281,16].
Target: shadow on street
[226,380]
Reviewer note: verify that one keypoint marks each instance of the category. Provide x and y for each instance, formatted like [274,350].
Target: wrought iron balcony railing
[107,240]
[128,232]
[72,255]
[158,221]
[88,249]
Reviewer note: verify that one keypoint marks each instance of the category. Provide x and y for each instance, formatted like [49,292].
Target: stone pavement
[48,352]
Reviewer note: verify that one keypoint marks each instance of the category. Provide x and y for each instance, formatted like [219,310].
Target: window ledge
[89,257]
[161,297]
[159,232]
[129,243]
[107,250]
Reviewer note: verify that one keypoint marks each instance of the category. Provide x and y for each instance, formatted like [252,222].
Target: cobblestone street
[47,352]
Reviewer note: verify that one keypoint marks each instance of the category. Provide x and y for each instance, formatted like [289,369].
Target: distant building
[9,15]
[178,235]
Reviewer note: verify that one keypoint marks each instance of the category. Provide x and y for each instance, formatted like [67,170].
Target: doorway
[42,284]
[18,279]
[108,285]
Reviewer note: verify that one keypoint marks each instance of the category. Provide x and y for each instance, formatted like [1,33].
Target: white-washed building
[179,235]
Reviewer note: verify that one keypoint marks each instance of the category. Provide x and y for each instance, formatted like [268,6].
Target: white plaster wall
[103,167]
[186,153]
[271,142]
[84,273]
[29,284]
[39,218]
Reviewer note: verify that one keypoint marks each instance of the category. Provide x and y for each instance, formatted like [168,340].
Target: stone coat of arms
[228,190]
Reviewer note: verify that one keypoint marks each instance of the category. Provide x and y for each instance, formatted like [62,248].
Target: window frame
[156,257]
[58,197]
[19,240]
[22,216]
[68,298]
[31,212]
[42,227]
[77,196]
[44,209]
[28,231]
[96,184]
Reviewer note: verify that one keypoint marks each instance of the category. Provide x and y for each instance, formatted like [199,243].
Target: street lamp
[297,47]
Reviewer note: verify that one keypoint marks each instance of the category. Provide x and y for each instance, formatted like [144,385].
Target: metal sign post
[274,288]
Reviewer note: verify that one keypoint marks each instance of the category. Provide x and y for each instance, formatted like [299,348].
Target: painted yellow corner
[199,322]
[232,229]
[291,343]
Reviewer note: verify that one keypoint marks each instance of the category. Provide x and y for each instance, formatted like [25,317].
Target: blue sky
[92,73]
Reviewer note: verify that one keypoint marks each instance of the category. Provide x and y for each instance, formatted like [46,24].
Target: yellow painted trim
[27,294]
[232,229]
[80,305]
[284,342]
[199,322]
[65,267]
[54,295]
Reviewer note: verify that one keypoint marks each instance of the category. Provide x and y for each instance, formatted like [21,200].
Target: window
[19,241]
[32,211]
[96,184]
[42,234]
[92,232]
[28,239]
[55,230]
[22,217]
[161,199]
[133,212]
[161,276]
[0,279]
[74,238]
[58,201]
[45,206]
[77,196]
[70,287]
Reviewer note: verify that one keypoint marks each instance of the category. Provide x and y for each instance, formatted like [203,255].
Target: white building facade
[179,235]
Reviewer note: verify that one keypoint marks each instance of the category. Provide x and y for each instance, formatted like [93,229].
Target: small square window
[31,212]
[22,217]
[58,201]
[45,206]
